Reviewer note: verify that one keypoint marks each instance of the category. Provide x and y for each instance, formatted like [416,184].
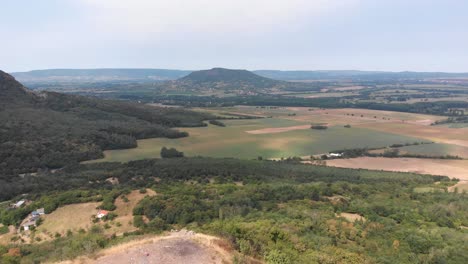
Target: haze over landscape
[418,35]
[234,132]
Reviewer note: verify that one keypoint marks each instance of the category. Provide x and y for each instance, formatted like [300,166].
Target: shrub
[3,230]
[138,221]
[277,257]
[319,127]
[217,123]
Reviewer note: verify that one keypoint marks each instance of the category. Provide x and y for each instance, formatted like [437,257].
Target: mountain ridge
[151,75]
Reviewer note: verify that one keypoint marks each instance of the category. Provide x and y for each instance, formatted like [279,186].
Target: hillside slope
[51,130]
[220,77]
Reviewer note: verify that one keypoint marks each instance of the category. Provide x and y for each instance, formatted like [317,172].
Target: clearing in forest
[125,205]
[69,217]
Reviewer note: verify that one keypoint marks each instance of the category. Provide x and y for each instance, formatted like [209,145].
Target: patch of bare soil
[349,88]
[272,130]
[177,247]
[351,217]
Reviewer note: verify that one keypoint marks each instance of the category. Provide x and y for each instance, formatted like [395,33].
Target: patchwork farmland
[284,132]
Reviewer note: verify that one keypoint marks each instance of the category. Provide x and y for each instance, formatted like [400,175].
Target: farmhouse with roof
[101,213]
[34,216]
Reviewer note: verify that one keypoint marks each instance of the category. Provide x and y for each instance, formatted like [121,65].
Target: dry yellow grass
[451,168]
[6,238]
[272,130]
[69,217]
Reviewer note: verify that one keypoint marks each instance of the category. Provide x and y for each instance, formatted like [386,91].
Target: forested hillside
[279,212]
[49,130]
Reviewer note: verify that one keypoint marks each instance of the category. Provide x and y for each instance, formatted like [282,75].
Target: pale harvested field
[124,212]
[360,116]
[174,248]
[348,88]
[272,130]
[69,217]
[451,168]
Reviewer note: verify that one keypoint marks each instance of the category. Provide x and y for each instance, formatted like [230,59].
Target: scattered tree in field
[171,153]
[319,127]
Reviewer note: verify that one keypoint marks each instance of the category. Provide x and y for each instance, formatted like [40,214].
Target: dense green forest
[49,130]
[281,212]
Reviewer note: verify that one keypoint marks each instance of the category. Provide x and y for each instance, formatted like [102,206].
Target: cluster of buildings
[32,219]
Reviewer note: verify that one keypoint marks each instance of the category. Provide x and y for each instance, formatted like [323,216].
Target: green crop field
[437,149]
[234,141]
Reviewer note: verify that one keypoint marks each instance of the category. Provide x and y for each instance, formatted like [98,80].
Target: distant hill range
[152,75]
[99,75]
[355,75]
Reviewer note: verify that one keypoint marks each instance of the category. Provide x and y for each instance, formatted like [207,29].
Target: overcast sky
[396,35]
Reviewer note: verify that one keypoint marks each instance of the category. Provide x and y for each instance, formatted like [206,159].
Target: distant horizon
[251,70]
[386,35]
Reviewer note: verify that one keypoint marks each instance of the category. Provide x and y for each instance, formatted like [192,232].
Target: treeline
[435,108]
[392,151]
[141,173]
[217,123]
[452,120]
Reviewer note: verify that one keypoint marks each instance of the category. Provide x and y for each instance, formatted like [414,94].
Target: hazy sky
[397,35]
